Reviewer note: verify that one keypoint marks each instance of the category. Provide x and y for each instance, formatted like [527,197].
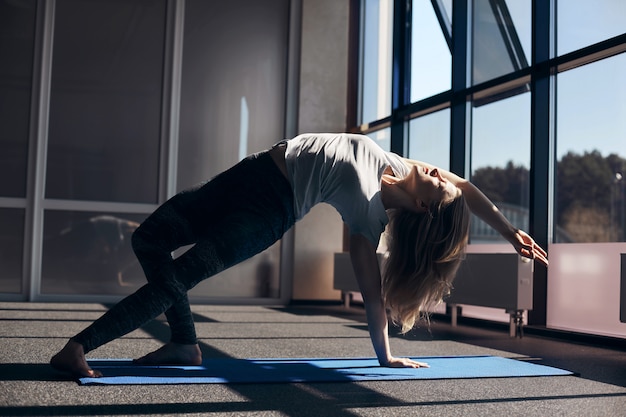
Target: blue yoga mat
[225,371]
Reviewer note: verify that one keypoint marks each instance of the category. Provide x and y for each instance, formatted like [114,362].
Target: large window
[581,23]
[17,37]
[17,44]
[590,200]
[103,141]
[107,108]
[431,59]
[376,41]
[500,161]
[11,246]
[429,138]
[89,253]
[232,98]
[591,153]
[501,37]
[526,99]
[106,101]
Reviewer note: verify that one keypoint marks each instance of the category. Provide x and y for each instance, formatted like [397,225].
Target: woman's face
[429,187]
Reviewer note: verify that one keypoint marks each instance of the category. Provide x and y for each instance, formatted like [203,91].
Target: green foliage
[586,180]
[506,185]
[589,201]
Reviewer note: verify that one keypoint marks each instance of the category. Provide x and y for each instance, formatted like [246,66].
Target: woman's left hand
[528,248]
[404,363]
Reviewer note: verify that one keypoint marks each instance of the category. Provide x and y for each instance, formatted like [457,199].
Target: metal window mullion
[401,73]
[508,32]
[443,20]
[95,206]
[589,54]
[459,125]
[361,65]
[541,147]
[12,202]
[170,107]
[287,243]
[38,144]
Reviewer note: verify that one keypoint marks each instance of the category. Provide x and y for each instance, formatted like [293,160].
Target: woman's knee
[139,241]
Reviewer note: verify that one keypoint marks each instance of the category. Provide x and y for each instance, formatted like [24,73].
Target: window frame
[538,77]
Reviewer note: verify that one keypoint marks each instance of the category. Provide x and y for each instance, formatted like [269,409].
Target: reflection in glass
[431,60]
[429,138]
[591,153]
[11,247]
[447,6]
[89,253]
[582,23]
[501,38]
[376,49]
[105,106]
[17,38]
[500,161]
[233,84]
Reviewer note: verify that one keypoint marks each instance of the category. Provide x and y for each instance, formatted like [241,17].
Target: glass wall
[581,23]
[376,47]
[545,143]
[500,162]
[501,38]
[429,139]
[17,44]
[103,139]
[591,153]
[11,248]
[232,98]
[590,200]
[431,59]
[132,101]
[105,104]
[17,38]
[89,253]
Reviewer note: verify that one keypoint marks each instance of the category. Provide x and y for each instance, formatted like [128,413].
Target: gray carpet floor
[31,332]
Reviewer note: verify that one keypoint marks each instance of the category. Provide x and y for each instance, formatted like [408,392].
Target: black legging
[229,219]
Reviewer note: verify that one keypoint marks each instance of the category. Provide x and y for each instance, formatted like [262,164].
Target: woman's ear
[421,206]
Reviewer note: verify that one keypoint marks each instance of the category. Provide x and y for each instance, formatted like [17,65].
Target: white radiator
[497,280]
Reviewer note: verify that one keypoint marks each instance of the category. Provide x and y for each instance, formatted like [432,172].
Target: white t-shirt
[345,171]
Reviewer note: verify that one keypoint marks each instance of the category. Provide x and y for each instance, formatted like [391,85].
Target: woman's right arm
[482,207]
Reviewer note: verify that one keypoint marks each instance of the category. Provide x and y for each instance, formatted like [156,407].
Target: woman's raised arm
[482,207]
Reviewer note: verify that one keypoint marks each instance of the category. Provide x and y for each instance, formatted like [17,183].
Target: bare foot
[71,360]
[172,354]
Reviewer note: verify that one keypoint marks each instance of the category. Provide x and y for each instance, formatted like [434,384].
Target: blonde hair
[424,253]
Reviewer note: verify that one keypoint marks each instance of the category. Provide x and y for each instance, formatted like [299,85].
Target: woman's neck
[393,195]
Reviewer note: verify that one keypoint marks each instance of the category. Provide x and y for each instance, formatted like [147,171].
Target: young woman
[247,208]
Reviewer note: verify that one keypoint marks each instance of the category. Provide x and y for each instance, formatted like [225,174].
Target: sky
[590,106]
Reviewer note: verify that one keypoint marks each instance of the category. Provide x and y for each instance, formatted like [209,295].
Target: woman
[247,208]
